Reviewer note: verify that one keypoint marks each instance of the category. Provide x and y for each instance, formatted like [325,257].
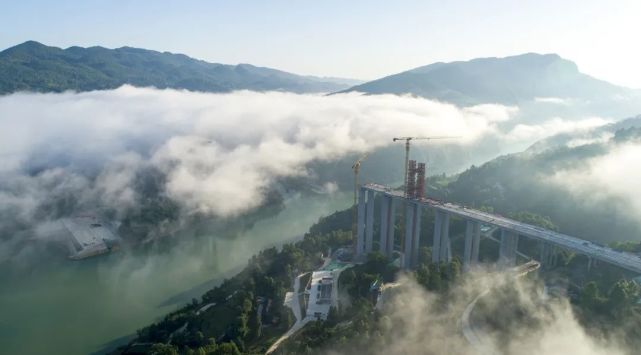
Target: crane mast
[407,157]
[356,168]
[407,152]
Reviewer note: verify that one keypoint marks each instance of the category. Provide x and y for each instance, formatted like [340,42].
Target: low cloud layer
[613,175]
[416,321]
[218,153]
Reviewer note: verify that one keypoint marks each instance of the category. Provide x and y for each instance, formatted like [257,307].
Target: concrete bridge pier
[507,248]
[364,222]
[555,256]
[550,256]
[441,250]
[369,222]
[472,243]
[545,258]
[388,220]
[412,234]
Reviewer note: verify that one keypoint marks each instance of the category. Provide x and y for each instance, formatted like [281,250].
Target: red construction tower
[410,184]
[420,181]
[415,184]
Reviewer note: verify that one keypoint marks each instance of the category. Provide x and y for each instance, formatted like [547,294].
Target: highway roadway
[624,260]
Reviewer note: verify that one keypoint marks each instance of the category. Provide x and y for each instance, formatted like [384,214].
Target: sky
[353,39]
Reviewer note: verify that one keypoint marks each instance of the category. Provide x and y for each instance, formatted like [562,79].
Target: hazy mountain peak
[507,80]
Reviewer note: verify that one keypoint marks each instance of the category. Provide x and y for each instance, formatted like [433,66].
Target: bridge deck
[624,260]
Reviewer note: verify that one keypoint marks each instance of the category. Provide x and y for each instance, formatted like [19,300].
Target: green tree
[425,255]
[622,295]
[332,316]
[163,349]
[256,325]
[590,298]
[227,349]
[435,282]
[454,270]
[376,262]
[423,275]
[242,327]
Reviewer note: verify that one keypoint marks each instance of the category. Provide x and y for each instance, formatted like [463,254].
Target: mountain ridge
[506,80]
[33,66]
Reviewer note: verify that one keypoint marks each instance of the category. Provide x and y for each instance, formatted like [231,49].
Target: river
[57,306]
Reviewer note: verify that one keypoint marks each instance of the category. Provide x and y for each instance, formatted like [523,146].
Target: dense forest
[245,314]
[526,182]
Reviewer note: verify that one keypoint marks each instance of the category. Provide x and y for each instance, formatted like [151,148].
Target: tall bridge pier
[388,221]
[472,244]
[441,244]
[507,248]
[511,231]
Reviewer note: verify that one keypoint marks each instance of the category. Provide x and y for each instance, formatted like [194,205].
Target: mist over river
[57,306]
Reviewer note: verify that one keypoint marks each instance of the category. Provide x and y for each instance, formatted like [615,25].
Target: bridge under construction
[414,202]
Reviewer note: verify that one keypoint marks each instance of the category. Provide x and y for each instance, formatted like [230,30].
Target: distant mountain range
[32,66]
[541,85]
[509,80]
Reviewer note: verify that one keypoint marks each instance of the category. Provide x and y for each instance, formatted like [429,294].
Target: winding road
[291,301]
[476,337]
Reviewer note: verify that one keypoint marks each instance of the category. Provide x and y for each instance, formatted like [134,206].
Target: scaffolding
[410,184]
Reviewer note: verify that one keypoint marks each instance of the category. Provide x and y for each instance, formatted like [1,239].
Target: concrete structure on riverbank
[88,236]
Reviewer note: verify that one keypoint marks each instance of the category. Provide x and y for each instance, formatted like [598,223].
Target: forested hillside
[32,66]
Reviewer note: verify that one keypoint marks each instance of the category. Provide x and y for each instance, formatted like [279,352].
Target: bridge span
[511,230]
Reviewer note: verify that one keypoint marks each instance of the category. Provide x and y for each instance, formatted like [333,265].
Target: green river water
[57,306]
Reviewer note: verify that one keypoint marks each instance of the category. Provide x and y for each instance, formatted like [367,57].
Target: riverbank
[88,306]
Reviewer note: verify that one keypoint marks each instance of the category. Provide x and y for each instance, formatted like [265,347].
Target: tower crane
[356,168]
[407,150]
[407,157]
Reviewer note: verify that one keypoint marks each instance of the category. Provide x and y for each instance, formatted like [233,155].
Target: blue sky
[358,39]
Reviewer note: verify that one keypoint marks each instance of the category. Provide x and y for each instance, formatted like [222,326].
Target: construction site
[400,211]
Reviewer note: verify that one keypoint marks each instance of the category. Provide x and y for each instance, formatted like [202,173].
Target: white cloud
[617,173]
[553,100]
[220,152]
[415,321]
[553,126]
[580,141]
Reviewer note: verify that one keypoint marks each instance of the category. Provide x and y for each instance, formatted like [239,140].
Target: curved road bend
[477,338]
[294,304]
